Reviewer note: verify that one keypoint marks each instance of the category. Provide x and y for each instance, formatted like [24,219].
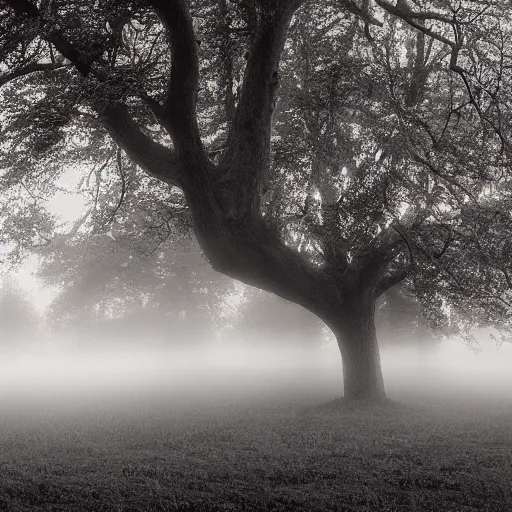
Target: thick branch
[246,158]
[391,279]
[256,255]
[361,13]
[155,159]
[372,263]
[180,106]
[54,36]
[411,17]
[28,69]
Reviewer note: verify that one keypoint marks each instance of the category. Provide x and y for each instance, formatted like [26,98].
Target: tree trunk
[357,341]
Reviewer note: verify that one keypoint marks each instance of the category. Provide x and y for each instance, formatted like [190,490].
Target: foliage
[112,292]
[390,152]
[18,319]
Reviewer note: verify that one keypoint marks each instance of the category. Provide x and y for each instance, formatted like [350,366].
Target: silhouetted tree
[327,151]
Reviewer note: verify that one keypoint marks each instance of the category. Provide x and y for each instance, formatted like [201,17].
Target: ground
[280,457]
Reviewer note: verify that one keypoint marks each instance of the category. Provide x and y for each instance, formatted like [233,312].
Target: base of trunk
[342,405]
[362,375]
[357,341]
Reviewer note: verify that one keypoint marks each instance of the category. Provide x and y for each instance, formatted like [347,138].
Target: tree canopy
[326,150]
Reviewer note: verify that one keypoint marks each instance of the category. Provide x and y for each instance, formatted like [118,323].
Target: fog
[111,366]
[244,375]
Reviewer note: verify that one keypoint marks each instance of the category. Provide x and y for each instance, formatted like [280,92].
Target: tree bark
[357,341]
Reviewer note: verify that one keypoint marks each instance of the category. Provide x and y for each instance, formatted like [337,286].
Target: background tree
[18,319]
[154,289]
[400,321]
[385,155]
[267,320]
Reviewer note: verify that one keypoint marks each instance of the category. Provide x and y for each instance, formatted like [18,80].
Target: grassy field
[265,458]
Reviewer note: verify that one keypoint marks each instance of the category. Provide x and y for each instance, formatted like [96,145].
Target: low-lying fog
[241,374]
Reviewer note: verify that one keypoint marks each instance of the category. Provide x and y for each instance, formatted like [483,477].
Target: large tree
[327,150]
